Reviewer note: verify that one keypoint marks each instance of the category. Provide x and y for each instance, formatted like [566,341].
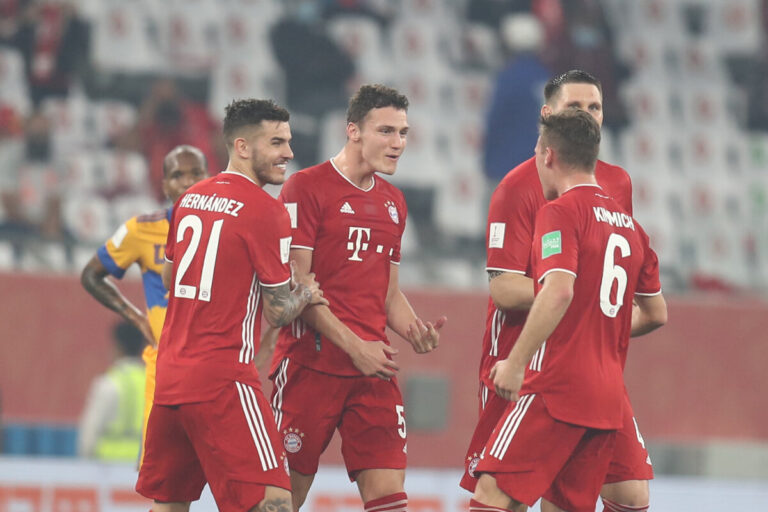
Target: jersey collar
[373,178]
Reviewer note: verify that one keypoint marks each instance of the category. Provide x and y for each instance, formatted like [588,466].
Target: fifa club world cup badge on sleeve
[292,440]
[392,210]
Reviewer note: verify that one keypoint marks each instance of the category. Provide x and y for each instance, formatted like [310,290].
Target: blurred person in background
[54,43]
[141,240]
[510,127]
[227,260]
[30,182]
[509,236]
[110,426]
[168,119]
[348,224]
[556,439]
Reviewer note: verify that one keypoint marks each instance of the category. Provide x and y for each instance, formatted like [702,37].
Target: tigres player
[142,240]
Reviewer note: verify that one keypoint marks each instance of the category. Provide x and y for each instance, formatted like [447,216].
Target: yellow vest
[121,440]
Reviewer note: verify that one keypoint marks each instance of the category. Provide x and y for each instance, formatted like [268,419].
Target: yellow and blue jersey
[141,240]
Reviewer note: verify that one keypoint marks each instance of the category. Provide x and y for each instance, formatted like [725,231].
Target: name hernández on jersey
[211,203]
[619,219]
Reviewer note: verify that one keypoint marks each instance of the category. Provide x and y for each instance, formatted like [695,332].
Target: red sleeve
[170,241]
[403,214]
[648,282]
[269,245]
[509,232]
[301,201]
[556,241]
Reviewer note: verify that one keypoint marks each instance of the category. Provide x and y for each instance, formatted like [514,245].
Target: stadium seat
[362,38]
[187,32]
[88,218]
[14,90]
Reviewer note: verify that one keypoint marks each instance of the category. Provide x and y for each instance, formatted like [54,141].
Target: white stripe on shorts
[256,425]
[507,432]
[277,401]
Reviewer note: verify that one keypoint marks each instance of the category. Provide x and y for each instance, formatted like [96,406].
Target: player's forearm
[648,314]
[96,283]
[322,320]
[282,305]
[400,313]
[510,291]
[547,311]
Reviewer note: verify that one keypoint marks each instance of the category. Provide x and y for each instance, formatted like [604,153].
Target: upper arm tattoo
[493,273]
[281,305]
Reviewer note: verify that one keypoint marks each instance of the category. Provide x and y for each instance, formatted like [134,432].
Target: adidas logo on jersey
[345,208]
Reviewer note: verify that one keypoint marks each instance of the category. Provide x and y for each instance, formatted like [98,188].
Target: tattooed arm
[282,305]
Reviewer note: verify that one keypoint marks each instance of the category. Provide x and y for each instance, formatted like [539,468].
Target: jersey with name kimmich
[354,235]
[509,235]
[579,369]
[228,238]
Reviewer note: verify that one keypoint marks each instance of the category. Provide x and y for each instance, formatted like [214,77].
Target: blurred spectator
[587,44]
[168,119]
[512,118]
[110,427]
[491,12]
[54,43]
[30,182]
[316,69]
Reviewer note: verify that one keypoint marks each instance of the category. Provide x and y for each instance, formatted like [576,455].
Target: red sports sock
[397,502]
[612,506]
[476,506]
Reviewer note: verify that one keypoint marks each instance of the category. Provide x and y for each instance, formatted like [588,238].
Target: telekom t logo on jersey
[358,241]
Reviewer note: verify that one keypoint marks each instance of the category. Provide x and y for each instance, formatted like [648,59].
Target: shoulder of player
[614,170]
[156,216]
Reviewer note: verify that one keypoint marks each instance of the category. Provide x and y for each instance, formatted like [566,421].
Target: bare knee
[632,493]
[275,500]
[378,483]
[488,493]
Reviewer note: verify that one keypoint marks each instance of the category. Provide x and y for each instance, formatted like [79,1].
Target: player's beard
[267,173]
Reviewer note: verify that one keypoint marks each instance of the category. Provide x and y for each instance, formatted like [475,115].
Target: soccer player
[227,251]
[347,227]
[565,371]
[141,240]
[509,236]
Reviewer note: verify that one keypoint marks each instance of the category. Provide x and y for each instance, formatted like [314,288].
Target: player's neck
[574,180]
[353,167]
[243,168]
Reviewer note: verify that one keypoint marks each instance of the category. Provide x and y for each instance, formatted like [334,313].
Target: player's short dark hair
[250,112]
[369,97]
[574,76]
[574,135]
[184,148]
[129,339]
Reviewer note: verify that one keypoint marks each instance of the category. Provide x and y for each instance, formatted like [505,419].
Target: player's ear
[549,156]
[545,110]
[241,148]
[353,132]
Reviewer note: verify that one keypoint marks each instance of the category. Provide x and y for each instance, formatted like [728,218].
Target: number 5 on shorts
[400,420]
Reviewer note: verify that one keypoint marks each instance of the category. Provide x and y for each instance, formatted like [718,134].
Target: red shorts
[309,406]
[533,455]
[492,408]
[230,442]
[630,458]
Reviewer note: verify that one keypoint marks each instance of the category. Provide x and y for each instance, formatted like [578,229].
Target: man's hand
[308,281]
[142,324]
[425,337]
[507,379]
[370,357]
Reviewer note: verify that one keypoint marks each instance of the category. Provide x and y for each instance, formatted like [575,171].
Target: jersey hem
[276,284]
[545,274]
[492,269]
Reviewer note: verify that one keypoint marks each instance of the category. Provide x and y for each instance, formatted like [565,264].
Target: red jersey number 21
[185,291]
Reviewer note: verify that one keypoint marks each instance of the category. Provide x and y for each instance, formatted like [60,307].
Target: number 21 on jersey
[203,289]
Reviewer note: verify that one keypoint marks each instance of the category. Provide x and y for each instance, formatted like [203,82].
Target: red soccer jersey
[579,369]
[228,238]
[509,235]
[354,235]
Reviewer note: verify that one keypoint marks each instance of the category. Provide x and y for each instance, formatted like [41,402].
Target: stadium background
[93,92]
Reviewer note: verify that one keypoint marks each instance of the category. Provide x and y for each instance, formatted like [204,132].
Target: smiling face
[270,145]
[382,135]
[581,96]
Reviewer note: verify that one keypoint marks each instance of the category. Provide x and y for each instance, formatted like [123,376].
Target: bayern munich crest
[392,210]
[292,440]
[475,460]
